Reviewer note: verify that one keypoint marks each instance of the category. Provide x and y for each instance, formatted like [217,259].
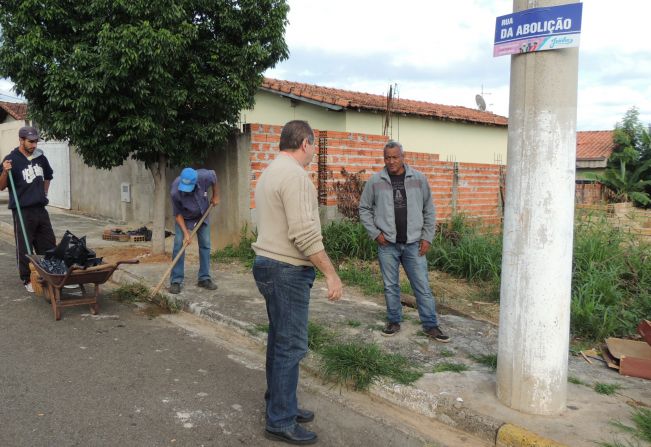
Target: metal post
[538,229]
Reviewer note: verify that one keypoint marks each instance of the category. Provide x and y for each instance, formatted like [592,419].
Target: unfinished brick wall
[471,188]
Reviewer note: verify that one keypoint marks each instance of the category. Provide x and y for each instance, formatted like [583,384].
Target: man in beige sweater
[288,247]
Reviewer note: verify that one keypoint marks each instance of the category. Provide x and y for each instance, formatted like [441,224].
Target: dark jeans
[286,290]
[39,234]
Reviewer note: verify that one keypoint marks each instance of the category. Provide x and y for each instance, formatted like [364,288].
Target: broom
[33,275]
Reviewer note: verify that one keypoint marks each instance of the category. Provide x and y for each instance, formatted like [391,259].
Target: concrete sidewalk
[465,401]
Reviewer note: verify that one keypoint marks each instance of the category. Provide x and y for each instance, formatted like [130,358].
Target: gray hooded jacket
[376,210]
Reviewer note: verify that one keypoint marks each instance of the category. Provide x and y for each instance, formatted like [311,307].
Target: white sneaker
[28,287]
[71,286]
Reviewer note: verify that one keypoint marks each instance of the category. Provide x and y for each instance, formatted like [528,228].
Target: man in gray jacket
[397,211]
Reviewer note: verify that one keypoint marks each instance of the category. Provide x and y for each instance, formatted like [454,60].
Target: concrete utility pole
[538,228]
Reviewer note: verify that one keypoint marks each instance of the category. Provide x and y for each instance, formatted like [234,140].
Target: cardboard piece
[633,357]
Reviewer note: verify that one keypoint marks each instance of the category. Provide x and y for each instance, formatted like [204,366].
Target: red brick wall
[477,185]
[589,193]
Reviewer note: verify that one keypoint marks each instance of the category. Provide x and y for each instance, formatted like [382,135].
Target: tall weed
[348,239]
[611,280]
[242,250]
[461,250]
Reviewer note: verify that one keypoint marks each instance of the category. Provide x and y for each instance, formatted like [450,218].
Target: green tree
[628,173]
[158,81]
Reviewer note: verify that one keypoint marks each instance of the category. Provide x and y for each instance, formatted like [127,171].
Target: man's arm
[4,176]
[429,219]
[46,186]
[186,234]
[215,194]
[323,263]
[367,211]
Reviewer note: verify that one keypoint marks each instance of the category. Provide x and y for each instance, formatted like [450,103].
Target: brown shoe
[391,329]
[437,335]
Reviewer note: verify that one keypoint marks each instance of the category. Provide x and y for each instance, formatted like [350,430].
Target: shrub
[348,239]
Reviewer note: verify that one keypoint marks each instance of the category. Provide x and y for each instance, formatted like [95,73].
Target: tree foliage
[628,173]
[140,78]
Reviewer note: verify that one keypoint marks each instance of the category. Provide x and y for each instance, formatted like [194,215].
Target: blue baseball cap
[188,180]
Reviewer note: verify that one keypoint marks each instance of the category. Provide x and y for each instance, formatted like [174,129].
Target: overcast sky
[442,52]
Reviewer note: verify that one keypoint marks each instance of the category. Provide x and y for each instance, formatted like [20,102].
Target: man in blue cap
[190,201]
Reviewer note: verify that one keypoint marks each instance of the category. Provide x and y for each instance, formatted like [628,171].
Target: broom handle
[20,214]
[181,251]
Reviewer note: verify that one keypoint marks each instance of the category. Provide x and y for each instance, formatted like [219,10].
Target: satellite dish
[481,104]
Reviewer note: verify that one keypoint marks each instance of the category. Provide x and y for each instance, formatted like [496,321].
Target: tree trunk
[160,199]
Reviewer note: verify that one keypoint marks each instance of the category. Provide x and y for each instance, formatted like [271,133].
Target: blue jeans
[286,291]
[390,257]
[203,238]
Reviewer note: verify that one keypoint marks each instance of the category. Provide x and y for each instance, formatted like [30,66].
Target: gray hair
[393,144]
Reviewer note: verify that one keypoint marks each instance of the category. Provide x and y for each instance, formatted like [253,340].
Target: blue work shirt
[192,205]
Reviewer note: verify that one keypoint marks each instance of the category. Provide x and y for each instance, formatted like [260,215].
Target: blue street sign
[538,29]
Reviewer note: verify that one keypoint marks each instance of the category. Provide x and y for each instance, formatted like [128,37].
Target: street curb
[418,401]
[513,436]
[442,409]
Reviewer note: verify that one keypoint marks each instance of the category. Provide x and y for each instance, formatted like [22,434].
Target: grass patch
[446,353]
[450,367]
[360,364]
[318,336]
[575,380]
[262,328]
[640,430]
[241,251]
[354,323]
[606,388]
[361,275]
[489,360]
[138,292]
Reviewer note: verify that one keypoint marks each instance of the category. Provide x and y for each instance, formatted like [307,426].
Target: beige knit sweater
[289,228]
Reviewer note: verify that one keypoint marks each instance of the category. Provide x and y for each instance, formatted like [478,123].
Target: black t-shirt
[29,177]
[400,206]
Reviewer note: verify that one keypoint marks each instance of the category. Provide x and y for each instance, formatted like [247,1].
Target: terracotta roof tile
[367,101]
[17,110]
[594,144]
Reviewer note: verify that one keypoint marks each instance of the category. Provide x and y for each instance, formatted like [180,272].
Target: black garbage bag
[54,266]
[72,250]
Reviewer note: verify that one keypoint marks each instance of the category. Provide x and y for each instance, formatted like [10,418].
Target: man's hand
[186,238]
[6,165]
[214,201]
[423,247]
[381,240]
[335,287]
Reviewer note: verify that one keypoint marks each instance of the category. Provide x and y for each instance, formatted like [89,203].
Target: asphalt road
[129,379]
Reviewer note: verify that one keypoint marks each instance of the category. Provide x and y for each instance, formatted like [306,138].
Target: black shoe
[175,288]
[437,335]
[207,284]
[297,435]
[304,416]
[391,329]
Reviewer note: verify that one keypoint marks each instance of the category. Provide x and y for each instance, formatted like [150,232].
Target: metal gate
[58,154]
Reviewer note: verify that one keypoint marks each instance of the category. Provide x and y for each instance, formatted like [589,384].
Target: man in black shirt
[31,174]
[397,210]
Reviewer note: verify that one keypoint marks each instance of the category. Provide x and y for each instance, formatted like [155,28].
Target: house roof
[344,99]
[594,144]
[17,110]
